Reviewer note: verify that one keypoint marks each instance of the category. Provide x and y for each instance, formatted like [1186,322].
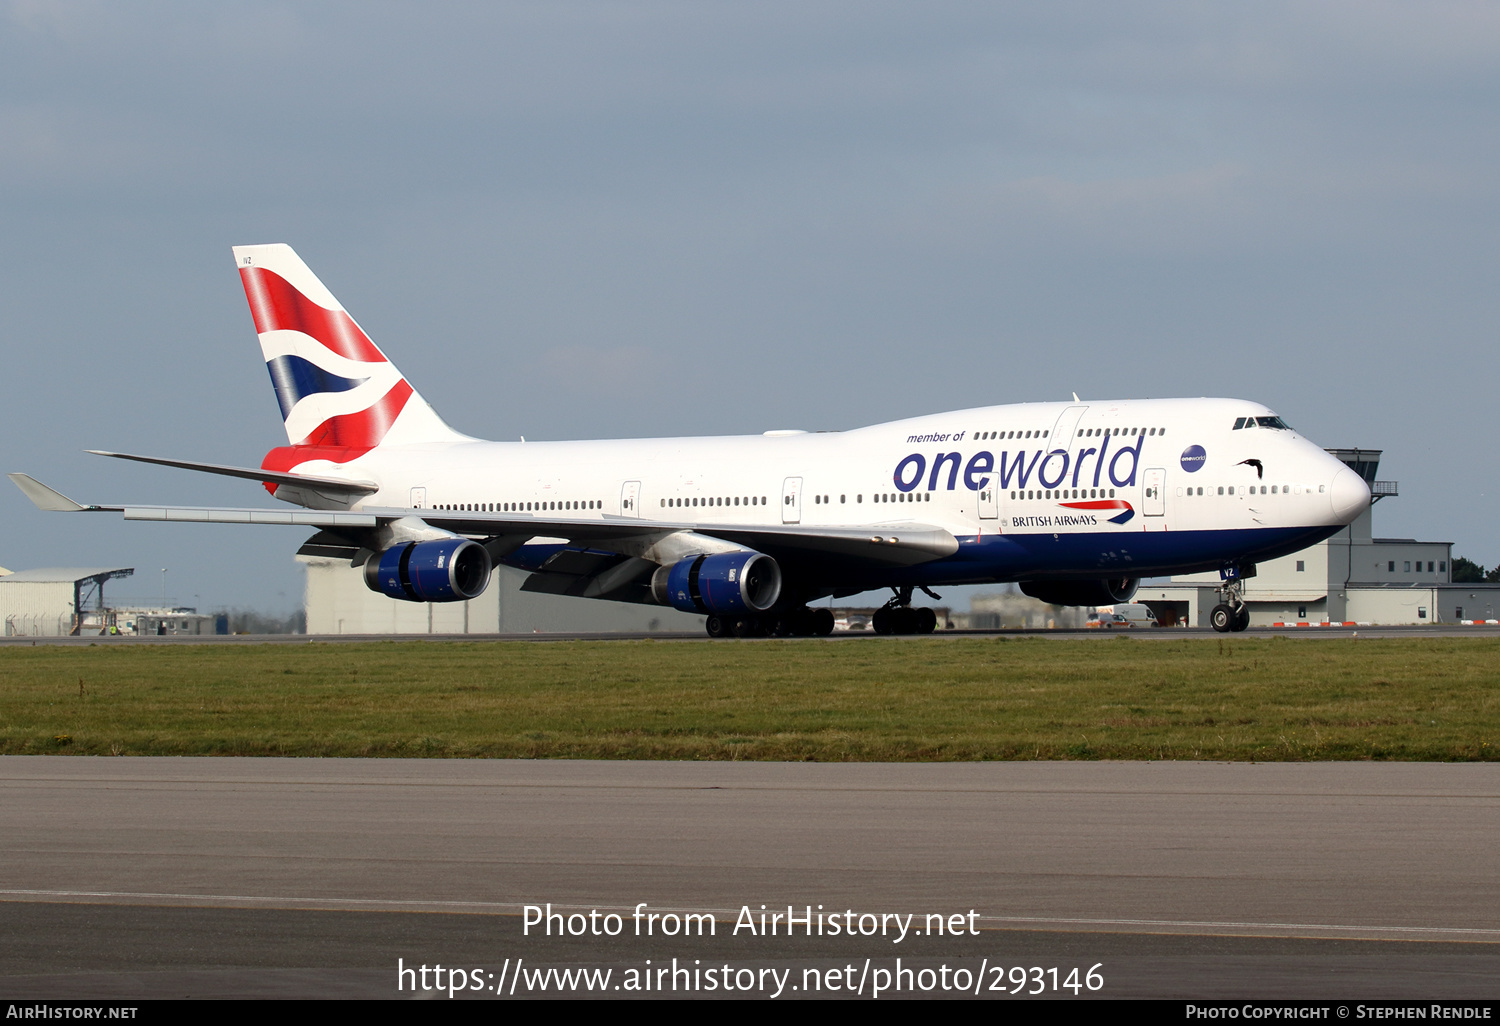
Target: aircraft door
[630,499]
[791,501]
[989,498]
[1154,499]
[419,498]
[1061,436]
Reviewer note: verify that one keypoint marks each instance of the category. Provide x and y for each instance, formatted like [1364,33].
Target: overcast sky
[575,220]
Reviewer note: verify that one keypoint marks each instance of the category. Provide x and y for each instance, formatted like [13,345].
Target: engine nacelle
[1082,593]
[446,570]
[723,584]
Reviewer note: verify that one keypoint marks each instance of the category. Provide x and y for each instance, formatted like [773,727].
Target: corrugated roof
[65,574]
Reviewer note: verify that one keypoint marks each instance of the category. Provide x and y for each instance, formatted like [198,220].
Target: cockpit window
[1241,423]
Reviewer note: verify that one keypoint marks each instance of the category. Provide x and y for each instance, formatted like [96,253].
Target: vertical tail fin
[339,394]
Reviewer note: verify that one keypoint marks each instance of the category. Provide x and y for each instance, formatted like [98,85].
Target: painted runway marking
[514,908]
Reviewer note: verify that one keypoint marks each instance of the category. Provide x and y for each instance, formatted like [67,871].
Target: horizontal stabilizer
[323,484]
[45,498]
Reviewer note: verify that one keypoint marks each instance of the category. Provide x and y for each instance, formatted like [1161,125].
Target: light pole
[163,588]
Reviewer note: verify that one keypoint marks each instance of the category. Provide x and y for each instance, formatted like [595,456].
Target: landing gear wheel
[904,620]
[1221,617]
[716,627]
[926,620]
[821,622]
[881,621]
[745,628]
[1241,618]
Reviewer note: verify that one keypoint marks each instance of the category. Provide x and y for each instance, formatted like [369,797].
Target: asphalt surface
[136,878]
[839,637]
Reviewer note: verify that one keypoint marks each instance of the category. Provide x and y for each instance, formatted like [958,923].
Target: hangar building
[57,602]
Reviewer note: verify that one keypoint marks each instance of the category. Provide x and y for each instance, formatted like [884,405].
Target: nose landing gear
[1232,614]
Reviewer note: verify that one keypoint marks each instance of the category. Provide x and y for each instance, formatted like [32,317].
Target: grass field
[873,699]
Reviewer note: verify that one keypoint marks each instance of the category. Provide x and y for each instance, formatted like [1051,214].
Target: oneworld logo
[1193,458]
[1017,469]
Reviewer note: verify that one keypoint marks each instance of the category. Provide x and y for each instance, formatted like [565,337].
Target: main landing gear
[898,617]
[1232,614]
[804,622]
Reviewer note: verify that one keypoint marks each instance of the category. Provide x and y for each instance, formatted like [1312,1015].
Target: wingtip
[44,498]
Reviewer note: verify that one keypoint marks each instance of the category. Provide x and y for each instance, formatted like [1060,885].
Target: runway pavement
[135,878]
[839,637]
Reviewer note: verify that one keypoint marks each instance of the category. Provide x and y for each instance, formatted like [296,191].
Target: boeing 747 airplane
[1076,500]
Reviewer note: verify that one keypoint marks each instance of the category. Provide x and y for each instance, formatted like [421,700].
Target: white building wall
[339,603]
[1394,605]
[36,608]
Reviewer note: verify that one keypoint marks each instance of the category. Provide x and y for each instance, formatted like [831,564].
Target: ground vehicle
[1133,614]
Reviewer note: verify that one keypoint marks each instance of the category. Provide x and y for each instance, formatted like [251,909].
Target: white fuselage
[1170,467]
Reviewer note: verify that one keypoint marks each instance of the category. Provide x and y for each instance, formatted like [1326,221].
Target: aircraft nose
[1350,496]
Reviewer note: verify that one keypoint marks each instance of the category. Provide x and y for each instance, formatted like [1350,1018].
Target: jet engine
[1082,593]
[445,570]
[723,584]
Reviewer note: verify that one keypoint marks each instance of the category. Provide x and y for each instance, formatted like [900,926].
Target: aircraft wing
[344,531]
[50,499]
[893,544]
